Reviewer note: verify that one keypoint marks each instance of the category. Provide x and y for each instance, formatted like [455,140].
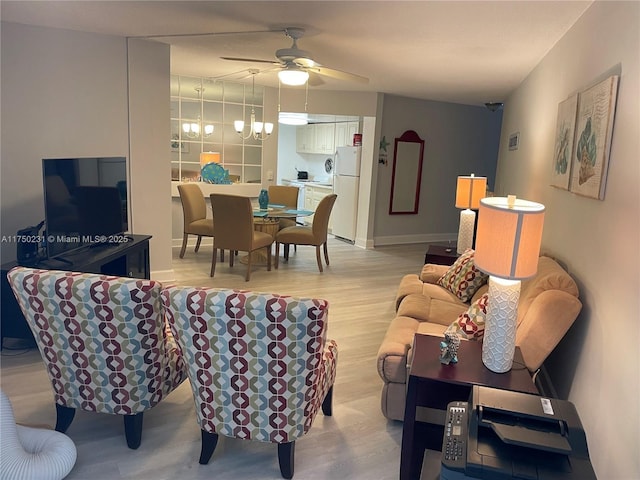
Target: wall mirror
[407,173]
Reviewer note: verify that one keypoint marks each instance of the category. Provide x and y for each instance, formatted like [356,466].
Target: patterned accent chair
[104,341]
[260,365]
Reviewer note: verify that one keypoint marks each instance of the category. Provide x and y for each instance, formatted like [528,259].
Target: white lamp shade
[292,118]
[470,190]
[293,76]
[268,128]
[508,237]
[238,125]
[209,157]
[208,129]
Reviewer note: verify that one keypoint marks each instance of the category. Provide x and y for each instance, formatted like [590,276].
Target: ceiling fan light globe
[293,77]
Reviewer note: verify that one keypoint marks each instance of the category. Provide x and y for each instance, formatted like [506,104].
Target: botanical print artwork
[563,151]
[593,138]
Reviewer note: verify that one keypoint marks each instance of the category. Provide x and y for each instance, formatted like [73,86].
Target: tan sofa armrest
[409,284]
[392,354]
[431,272]
[548,318]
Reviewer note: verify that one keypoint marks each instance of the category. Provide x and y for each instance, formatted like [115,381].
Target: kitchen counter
[311,183]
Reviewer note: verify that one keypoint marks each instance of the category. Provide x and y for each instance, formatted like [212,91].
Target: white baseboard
[418,238]
[163,276]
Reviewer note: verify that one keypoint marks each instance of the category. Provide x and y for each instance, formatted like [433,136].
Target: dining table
[268,221]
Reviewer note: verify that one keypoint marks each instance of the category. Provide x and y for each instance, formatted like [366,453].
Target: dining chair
[288,196]
[194,210]
[104,341]
[233,230]
[315,235]
[260,365]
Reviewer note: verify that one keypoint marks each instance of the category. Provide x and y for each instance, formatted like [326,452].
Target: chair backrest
[255,360]
[284,195]
[233,228]
[320,226]
[194,206]
[103,339]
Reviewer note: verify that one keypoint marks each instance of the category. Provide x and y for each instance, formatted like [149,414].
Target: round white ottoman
[32,453]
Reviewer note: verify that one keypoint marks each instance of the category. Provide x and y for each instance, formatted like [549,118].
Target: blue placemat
[299,212]
[275,205]
[260,213]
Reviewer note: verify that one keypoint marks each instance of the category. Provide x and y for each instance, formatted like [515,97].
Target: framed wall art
[563,150]
[592,144]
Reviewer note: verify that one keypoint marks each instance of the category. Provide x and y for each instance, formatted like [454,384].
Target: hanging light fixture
[257,130]
[293,76]
[193,129]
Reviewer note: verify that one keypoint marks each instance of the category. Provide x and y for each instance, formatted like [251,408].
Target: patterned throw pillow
[463,279]
[470,324]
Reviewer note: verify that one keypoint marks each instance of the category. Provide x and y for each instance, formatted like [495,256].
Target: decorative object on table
[507,248]
[263,199]
[563,152]
[469,191]
[449,348]
[594,127]
[215,173]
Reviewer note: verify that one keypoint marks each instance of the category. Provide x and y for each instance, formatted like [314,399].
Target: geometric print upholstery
[103,339]
[463,278]
[259,364]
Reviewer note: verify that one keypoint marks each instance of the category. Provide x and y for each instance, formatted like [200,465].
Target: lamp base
[499,343]
[465,230]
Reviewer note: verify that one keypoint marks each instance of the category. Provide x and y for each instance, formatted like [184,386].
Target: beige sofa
[547,308]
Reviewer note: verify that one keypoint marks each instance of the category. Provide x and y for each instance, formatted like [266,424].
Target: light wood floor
[357,442]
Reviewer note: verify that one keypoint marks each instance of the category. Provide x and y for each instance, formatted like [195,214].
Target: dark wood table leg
[411,452]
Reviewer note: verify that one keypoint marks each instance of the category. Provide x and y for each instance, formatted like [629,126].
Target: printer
[500,434]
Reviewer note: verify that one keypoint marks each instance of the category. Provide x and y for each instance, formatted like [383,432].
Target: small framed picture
[514,141]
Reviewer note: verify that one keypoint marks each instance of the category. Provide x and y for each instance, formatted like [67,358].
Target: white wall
[67,94]
[597,363]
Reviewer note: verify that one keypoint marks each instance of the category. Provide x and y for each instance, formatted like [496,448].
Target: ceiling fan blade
[253,60]
[208,34]
[338,74]
[315,80]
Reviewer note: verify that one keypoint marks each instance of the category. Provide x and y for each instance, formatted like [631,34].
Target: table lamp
[209,157]
[469,191]
[507,248]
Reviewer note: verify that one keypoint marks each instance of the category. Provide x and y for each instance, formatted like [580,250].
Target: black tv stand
[126,259]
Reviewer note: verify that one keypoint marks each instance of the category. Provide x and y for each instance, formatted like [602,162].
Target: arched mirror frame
[406,169]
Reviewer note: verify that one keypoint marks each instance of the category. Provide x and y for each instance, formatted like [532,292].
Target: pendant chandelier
[257,130]
[193,129]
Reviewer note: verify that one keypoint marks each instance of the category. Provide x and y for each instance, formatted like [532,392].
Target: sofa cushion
[463,278]
[470,324]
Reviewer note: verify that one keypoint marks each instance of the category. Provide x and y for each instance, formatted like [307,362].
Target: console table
[432,385]
[127,259]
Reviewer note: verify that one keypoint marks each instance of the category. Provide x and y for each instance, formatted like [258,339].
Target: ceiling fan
[295,65]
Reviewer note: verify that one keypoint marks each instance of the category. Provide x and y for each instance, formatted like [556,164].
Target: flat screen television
[85,202]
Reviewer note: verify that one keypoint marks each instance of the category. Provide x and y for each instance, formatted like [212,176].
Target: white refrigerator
[346,184]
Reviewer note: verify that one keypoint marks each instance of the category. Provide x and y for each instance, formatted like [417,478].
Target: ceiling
[452,51]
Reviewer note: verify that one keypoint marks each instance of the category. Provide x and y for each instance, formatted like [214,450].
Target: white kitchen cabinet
[316,138]
[305,139]
[312,196]
[344,133]
[324,138]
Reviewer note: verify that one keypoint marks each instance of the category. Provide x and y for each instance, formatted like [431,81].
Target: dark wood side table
[432,385]
[441,254]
